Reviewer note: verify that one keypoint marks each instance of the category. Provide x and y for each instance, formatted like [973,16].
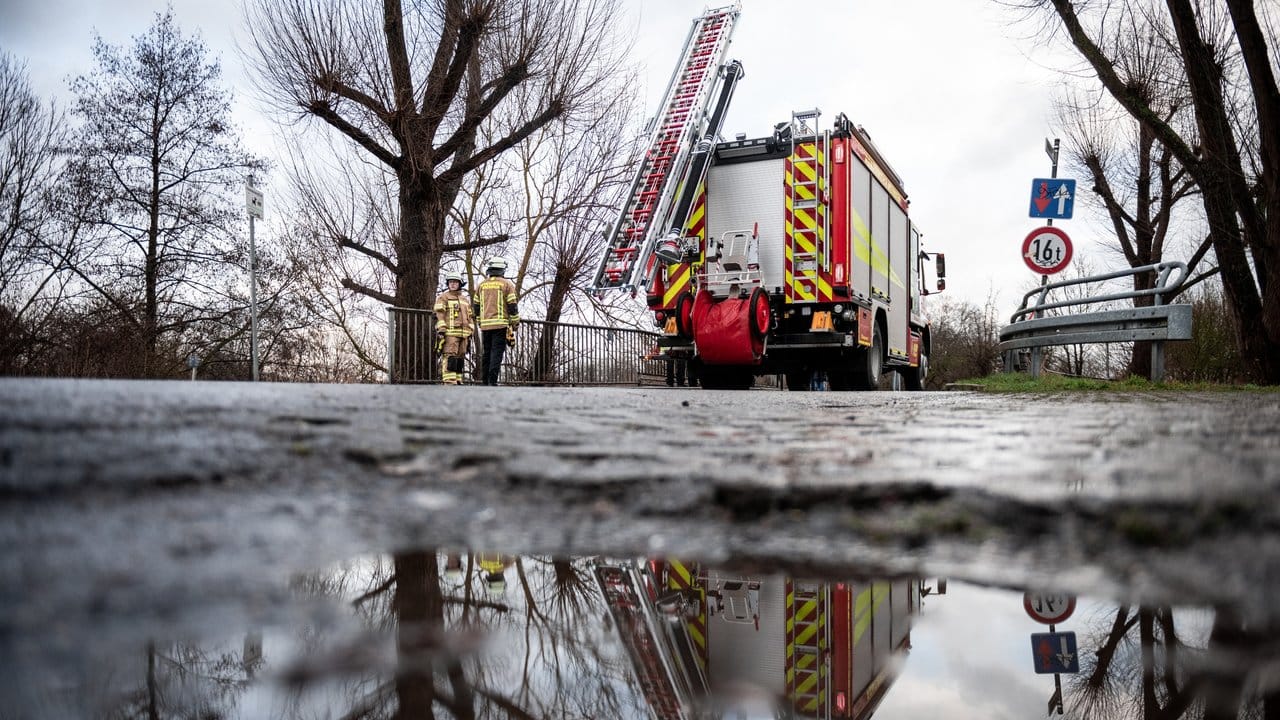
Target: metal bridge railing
[1031,327]
[544,353]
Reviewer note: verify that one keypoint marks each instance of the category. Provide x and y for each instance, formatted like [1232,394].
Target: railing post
[391,345]
[1157,361]
[1035,362]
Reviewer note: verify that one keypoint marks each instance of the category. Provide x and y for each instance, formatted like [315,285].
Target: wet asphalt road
[127,504]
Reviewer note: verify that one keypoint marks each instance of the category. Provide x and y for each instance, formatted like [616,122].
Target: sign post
[253,204]
[1052,652]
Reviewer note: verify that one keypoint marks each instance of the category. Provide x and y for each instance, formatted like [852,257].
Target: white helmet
[452,275]
[497,263]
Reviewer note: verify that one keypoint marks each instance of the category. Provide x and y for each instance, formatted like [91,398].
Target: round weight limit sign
[1047,250]
[1049,608]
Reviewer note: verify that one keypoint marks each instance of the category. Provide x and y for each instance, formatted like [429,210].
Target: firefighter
[453,328]
[495,307]
[494,567]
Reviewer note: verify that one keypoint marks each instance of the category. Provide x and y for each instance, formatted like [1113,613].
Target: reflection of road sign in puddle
[1055,653]
[1049,608]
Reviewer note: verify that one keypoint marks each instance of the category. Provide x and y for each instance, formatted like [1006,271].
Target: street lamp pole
[253,203]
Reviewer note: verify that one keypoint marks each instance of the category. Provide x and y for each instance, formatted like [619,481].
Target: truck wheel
[914,378]
[684,314]
[758,307]
[870,363]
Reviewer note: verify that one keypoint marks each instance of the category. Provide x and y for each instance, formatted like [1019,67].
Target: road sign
[1049,608]
[1047,250]
[1054,653]
[253,201]
[1053,198]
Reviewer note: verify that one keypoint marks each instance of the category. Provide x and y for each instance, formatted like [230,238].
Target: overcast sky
[955,95]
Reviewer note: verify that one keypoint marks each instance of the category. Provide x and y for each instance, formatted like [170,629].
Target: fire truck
[789,254]
[698,638]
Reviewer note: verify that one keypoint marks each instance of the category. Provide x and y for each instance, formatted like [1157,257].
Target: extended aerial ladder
[669,678]
[674,166]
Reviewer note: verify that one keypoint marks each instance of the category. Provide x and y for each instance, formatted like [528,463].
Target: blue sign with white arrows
[1052,198]
[1055,653]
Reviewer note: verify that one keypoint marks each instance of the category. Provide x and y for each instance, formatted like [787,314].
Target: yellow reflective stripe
[870,252]
[696,634]
[677,284]
[808,683]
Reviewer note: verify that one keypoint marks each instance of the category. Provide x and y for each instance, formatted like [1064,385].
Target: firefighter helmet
[452,275]
[496,266]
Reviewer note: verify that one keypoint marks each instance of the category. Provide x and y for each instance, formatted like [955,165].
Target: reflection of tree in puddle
[1158,662]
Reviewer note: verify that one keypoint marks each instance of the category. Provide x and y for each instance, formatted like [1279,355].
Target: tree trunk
[419,616]
[545,358]
[1217,177]
[419,253]
[1140,361]
[421,239]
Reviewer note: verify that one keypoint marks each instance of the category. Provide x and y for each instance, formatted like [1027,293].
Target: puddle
[480,635]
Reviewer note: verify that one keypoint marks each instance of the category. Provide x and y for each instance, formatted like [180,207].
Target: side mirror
[942,284]
[941,264]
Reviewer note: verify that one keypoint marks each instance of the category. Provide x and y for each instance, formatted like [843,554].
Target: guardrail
[1030,327]
[544,354]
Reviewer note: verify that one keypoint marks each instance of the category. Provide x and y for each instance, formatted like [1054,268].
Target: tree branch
[381,297]
[366,250]
[482,242]
[503,85]
[397,55]
[441,88]
[458,170]
[1127,96]
[322,110]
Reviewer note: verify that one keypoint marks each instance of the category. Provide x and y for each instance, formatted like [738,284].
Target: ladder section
[629,604]
[807,644]
[806,210]
[665,163]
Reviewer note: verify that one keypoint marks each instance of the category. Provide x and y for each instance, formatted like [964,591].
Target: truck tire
[913,378]
[684,314]
[870,363]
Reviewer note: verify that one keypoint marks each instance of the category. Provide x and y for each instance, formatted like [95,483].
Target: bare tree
[967,338]
[1234,153]
[413,89]
[30,135]
[554,191]
[151,186]
[1136,180]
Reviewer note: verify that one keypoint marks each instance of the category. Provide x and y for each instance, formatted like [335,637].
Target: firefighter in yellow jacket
[453,328]
[495,307]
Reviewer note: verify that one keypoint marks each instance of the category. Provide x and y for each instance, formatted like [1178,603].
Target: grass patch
[1023,383]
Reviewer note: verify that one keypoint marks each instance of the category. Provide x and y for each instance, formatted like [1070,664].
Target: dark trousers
[675,371]
[495,346]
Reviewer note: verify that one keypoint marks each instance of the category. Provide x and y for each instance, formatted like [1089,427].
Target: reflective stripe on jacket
[453,314]
[495,303]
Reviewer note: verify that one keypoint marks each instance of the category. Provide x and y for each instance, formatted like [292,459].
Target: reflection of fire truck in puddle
[820,650]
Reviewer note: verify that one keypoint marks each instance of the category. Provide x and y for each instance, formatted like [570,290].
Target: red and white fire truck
[788,254]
